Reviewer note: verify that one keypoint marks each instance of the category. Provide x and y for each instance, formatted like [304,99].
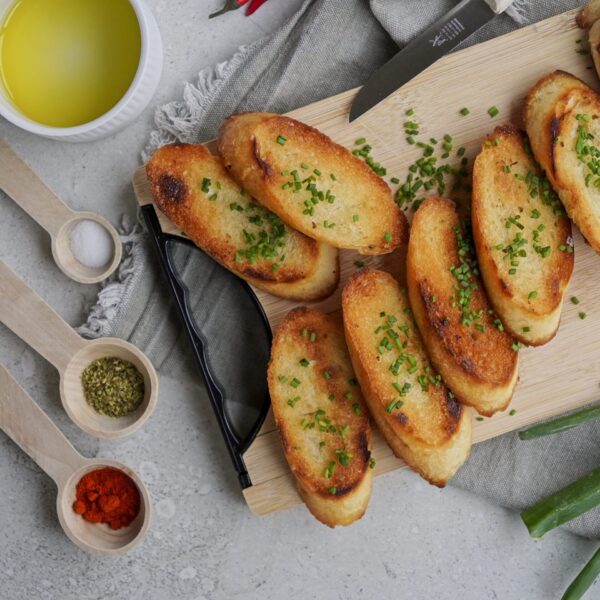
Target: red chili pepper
[229,5]
[254,6]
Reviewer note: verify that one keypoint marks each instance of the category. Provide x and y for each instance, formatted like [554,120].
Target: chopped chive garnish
[329,471]
[281,140]
[410,112]
[304,362]
[292,401]
[313,336]
[582,315]
[360,141]
[387,236]
[348,395]
[479,418]
[513,412]
[295,382]
[355,218]
[464,111]
[326,375]
[282,378]
[356,409]
[359,263]
[395,180]
[205,184]
[493,111]
[575,300]
[532,295]
[372,463]
[213,197]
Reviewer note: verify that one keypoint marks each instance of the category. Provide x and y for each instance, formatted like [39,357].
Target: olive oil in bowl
[64,63]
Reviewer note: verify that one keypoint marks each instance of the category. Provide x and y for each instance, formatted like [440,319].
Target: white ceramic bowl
[130,106]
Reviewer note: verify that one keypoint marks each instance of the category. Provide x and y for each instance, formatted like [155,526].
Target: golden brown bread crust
[526,291]
[356,209]
[594,41]
[589,14]
[542,111]
[221,226]
[430,430]
[580,195]
[553,122]
[479,366]
[321,415]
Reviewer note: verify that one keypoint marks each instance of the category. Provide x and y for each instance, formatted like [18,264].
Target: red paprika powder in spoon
[107,496]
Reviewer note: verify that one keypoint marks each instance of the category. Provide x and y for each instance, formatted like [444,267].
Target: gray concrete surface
[414,542]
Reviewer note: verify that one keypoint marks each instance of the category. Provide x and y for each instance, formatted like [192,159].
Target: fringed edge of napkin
[516,11]
[177,121]
[116,289]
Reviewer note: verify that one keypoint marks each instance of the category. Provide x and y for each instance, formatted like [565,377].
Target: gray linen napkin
[327,47]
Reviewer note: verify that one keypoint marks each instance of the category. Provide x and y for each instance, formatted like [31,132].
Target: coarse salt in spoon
[31,429]
[70,249]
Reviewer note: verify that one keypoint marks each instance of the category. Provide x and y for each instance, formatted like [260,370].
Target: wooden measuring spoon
[31,429]
[37,324]
[19,181]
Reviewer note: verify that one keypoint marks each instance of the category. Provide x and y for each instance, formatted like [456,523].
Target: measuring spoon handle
[33,431]
[19,181]
[35,322]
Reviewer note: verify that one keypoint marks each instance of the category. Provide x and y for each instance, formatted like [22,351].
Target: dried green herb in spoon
[112,386]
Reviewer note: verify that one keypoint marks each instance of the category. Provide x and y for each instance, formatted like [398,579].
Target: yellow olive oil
[67,62]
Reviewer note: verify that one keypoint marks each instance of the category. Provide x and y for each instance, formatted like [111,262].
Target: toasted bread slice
[540,115]
[589,14]
[594,41]
[576,153]
[191,186]
[314,185]
[522,236]
[418,416]
[321,416]
[465,340]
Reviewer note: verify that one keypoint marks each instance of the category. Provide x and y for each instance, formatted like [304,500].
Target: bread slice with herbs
[522,236]
[542,112]
[313,184]
[576,153]
[465,339]
[416,413]
[322,419]
[594,43]
[192,187]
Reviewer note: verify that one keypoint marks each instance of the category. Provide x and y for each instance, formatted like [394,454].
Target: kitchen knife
[436,41]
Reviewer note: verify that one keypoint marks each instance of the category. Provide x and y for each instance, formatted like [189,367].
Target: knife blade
[437,40]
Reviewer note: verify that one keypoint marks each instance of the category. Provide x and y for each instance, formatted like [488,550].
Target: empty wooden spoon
[37,324]
[20,182]
[31,429]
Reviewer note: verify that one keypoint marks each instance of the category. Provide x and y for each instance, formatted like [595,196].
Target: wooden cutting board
[558,377]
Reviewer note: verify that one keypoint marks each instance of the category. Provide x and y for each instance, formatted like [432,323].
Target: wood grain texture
[561,376]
